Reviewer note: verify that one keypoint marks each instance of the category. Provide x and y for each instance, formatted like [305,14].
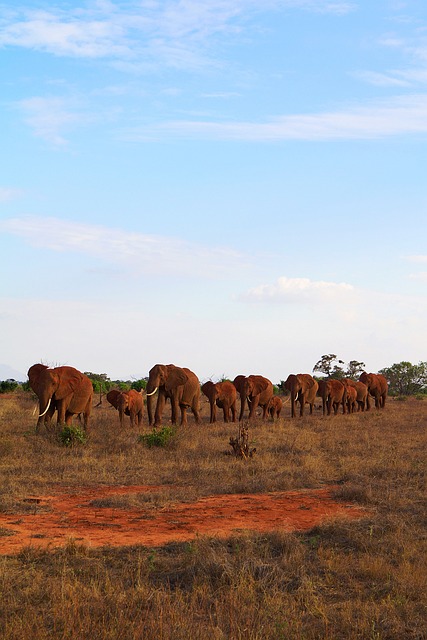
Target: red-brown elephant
[257,391]
[64,389]
[361,390]
[180,385]
[222,395]
[129,403]
[275,407]
[351,399]
[377,387]
[303,388]
[332,393]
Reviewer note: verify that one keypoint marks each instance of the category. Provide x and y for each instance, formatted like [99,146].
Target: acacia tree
[330,365]
[405,378]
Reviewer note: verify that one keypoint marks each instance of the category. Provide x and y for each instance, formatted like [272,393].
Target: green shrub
[162,437]
[72,435]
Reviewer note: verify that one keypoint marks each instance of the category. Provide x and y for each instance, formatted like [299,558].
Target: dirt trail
[58,518]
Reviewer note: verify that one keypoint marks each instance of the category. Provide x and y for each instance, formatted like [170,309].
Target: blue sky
[236,187]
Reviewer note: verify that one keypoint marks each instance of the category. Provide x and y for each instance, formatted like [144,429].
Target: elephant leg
[302,403]
[265,412]
[159,409]
[253,406]
[183,415]
[195,411]
[226,412]
[233,412]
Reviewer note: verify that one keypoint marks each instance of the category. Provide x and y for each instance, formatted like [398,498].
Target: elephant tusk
[152,393]
[35,409]
[45,411]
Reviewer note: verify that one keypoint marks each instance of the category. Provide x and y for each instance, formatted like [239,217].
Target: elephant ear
[68,381]
[113,397]
[209,389]
[259,384]
[176,377]
[238,382]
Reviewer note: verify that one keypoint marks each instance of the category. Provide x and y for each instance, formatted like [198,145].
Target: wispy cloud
[391,117]
[300,290]
[174,32]
[140,253]
[9,193]
[50,117]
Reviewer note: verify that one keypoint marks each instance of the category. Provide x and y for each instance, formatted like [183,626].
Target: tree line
[404,378]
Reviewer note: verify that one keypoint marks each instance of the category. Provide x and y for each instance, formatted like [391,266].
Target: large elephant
[129,403]
[361,392]
[180,385]
[257,391]
[222,395]
[64,389]
[333,393]
[377,387]
[303,388]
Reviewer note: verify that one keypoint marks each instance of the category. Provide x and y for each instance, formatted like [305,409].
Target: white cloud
[48,117]
[300,290]
[9,193]
[391,117]
[144,253]
[174,32]
[417,258]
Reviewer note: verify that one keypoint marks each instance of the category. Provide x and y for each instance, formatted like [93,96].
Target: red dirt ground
[57,519]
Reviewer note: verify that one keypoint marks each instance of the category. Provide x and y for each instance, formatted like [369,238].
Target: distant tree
[139,384]
[354,369]
[331,367]
[405,378]
[6,386]
[100,381]
[328,364]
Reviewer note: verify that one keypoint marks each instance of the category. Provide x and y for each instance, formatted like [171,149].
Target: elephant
[333,393]
[257,391]
[303,388]
[275,407]
[351,398]
[130,403]
[64,389]
[180,385]
[377,387]
[222,395]
[361,390]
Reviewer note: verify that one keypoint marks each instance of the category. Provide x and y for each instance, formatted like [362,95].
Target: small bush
[162,437]
[71,436]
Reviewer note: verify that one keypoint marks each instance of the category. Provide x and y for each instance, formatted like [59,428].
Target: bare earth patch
[57,519]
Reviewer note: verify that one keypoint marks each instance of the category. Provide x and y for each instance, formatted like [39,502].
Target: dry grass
[350,580]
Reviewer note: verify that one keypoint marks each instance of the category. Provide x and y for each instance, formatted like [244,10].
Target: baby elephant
[275,407]
[129,403]
[222,395]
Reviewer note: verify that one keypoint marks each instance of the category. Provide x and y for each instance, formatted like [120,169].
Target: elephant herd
[70,392]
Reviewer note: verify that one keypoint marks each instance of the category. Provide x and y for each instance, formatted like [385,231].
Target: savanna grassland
[348,579]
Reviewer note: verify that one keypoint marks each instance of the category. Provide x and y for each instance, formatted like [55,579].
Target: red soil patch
[58,518]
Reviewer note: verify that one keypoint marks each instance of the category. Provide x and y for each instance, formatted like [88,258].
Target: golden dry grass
[358,579]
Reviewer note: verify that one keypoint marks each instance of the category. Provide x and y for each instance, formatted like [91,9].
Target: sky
[234,187]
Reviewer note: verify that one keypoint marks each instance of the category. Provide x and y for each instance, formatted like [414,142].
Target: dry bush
[343,580]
